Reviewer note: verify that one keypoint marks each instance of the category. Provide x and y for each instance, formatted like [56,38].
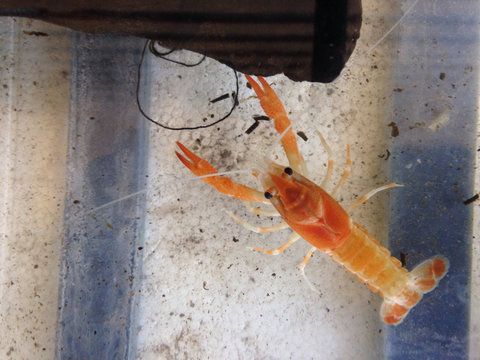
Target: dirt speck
[395,132]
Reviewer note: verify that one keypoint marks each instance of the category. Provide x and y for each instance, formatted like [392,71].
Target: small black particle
[388,155]
[403,259]
[302,135]
[220,98]
[235,239]
[471,200]
[288,171]
[442,76]
[251,128]
[36,33]
[268,195]
[76,202]
[395,131]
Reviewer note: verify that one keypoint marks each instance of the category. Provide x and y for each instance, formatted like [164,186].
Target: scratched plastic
[150,266]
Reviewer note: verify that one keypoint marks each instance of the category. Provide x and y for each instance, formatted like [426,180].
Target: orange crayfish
[315,216]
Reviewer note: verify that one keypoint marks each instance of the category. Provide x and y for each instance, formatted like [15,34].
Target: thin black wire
[151,47]
[154,51]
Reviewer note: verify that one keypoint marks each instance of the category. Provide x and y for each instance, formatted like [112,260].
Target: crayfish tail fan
[422,279]
[425,276]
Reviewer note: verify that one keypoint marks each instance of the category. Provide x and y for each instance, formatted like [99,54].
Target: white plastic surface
[33,145]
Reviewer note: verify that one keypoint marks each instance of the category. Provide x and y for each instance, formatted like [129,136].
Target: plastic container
[113,250]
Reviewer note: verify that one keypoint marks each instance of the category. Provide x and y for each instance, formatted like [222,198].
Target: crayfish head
[291,194]
[305,206]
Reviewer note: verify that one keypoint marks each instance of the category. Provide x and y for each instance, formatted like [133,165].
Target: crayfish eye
[288,171]
[268,195]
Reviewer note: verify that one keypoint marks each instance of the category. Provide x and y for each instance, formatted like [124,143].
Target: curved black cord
[151,46]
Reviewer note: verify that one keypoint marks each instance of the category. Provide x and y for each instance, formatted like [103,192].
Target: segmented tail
[422,279]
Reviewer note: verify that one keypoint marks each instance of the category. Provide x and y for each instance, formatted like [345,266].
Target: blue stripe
[107,161]
[428,217]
